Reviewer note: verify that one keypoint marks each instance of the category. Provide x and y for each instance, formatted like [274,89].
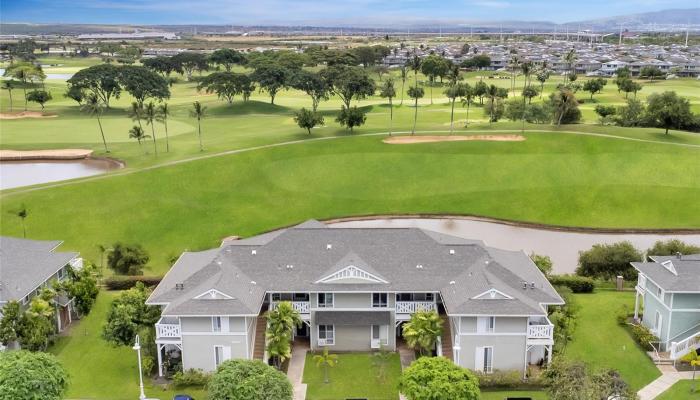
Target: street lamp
[137,347]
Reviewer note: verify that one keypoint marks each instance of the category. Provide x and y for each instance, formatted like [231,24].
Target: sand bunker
[452,138]
[58,154]
[26,114]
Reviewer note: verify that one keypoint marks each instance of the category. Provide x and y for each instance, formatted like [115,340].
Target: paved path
[295,372]
[669,377]
[407,356]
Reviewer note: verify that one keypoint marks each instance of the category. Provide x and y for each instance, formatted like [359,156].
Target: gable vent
[179,286]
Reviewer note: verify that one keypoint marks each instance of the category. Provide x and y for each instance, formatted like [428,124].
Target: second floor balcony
[168,329]
[406,308]
[540,330]
[302,307]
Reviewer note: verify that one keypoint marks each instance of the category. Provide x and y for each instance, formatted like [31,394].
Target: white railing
[685,346]
[302,307]
[326,342]
[167,330]
[409,307]
[540,331]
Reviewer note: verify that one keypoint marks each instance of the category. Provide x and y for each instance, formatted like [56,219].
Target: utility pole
[620,41]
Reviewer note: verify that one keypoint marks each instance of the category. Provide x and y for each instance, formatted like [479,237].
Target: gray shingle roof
[687,269]
[294,259]
[26,264]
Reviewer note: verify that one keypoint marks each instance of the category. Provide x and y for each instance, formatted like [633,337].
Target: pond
[561,246]
[24,173]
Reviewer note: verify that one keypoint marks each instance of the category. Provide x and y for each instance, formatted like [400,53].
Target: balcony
[302,307]
[168,330]
[540,331]
[409,307]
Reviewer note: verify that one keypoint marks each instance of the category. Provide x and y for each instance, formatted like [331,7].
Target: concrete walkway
[668,378]
[295,372]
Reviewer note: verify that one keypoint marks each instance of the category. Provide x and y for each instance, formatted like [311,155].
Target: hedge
[577,284]
[121,282]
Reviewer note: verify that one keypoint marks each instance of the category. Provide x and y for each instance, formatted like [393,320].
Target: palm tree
[422,331]
[414,64]
[563,101]
[94,108]
[526,69]
[492,95]
[694,359]
[388,91]
[415,93]
[404,74]
[280,326]
[453,92]
[136,132]
[150,113]
[9,85]
[326,361]
[467,99]
[513,65]
[570,59]
[22,214]
[162,116]
[135,112]
[199,111]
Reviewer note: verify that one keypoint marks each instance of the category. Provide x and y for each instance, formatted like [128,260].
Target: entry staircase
[259,346]
[446,340]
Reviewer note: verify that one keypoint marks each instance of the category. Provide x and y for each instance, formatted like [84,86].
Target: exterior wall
[508,351]
[686,301]
[198,341]
[682,323]
[651,306]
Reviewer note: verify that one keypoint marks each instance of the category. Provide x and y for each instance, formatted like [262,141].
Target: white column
[160,360]
[549,354]
[636,305]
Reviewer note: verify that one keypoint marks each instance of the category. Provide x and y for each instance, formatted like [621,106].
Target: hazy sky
[326,12]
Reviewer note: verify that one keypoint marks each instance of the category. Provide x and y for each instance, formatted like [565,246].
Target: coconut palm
[526,69]
[199,111]
[162,116]
[22,214]
[570,59]
[9,85]
[563,101]
[388,91]
[150,113]
[94,108]
[136,132]
[326,361]
[453,92]
[414,64]
[467,99]
[415,93]
[513,65]
[404,75]
[281,323]
[135,112]
[422,331]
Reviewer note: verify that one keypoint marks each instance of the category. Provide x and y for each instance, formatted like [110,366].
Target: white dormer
[213,294]
[351,274]
[668,264]
[492,294]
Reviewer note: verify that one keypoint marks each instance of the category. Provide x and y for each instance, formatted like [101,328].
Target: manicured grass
[602,343]
[553,178]
[353,377]
[99,370]
[681,391]
[503,395]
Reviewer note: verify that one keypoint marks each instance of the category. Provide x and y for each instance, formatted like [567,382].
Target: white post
[160,360]
[636,305]
[137,347]
[549,354]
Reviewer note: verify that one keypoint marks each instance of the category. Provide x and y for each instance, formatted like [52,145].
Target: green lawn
[602,343]
[353,377]
[101,371]
[681,391]
[503,395]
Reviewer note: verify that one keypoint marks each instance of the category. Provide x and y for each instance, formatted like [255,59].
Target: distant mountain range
[665,20]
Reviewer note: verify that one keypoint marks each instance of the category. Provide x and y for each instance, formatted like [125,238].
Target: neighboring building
[129,36]
[354,288]
[27,266]
[669,287]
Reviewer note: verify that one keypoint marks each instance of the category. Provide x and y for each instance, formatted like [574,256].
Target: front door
[302,330]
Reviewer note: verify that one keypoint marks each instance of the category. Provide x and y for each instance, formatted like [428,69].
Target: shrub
[511,379]
[623,313]
[577,284]
[671,247]
[437,378]
[248,380]
[643,336]
[191,378]
[606,261]
[127,282]
[127,258]
[26,375]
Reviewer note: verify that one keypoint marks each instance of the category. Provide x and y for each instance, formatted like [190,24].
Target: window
[325,300]
[218,355]
[485,324]
[381,333]
[60,274]
[488,360]
[216,325]
[326,335]
[404,297]
[429,297]
[276,297]
[379,300]
[300,297]
[659,293]
[657,323]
